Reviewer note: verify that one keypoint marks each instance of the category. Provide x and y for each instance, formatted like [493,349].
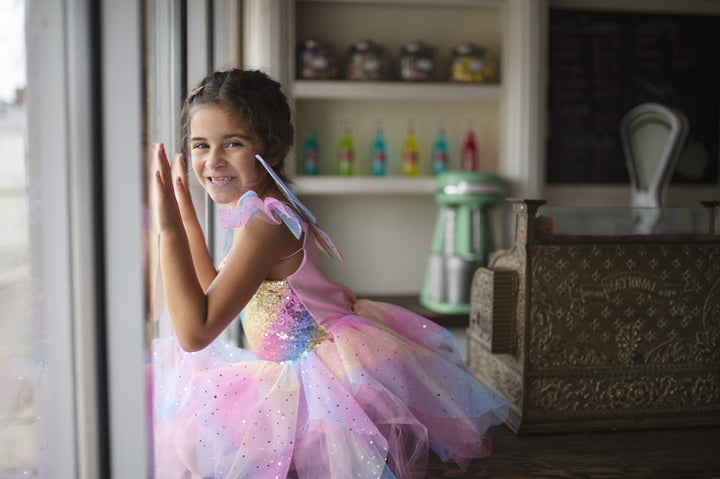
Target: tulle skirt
[370,402]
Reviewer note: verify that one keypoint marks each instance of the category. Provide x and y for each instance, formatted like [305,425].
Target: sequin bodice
[277,325]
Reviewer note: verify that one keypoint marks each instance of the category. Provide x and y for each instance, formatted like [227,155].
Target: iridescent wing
[321,238]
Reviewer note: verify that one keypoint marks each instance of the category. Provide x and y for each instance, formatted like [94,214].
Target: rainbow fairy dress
[330,387]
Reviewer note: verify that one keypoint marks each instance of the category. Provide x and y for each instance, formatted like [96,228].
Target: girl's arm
[200,315]
[204,266]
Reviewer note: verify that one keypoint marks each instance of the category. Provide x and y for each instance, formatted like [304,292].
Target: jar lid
[417,47]
[469,48]
[364,46]
[312,43]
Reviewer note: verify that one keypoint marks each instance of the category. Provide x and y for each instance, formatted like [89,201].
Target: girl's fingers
[158,180]
[178,167]
[163,178]
[180,178]
[161,162]
[164,203]
[157,167]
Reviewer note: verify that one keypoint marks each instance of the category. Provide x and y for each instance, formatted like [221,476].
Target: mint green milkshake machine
[463,238]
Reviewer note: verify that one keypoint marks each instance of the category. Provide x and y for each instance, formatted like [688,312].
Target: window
[72,356]
[74,268]
[21,342]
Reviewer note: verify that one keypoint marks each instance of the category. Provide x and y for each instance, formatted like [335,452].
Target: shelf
[364,185]
[415,3]
[339,89]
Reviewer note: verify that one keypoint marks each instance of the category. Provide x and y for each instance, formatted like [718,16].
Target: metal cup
[459,271]
[438,277]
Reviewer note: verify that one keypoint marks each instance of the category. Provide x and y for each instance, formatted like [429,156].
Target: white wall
[385,240]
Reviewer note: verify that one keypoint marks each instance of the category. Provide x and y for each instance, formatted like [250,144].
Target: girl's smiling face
[223,148]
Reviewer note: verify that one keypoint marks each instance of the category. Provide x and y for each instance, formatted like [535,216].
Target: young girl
[332,387]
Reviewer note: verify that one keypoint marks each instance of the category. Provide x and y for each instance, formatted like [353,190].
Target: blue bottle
[311,156]
[440,154]
[378,154]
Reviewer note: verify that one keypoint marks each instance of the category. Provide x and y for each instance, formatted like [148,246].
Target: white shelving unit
[329,105]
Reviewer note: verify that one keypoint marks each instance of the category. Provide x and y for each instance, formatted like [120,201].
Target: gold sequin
[277,324]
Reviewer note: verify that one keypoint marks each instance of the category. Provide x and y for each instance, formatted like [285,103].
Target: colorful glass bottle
[410,154]
[346,152]
[311,157]
[378,154]
[470,153]
[440,154]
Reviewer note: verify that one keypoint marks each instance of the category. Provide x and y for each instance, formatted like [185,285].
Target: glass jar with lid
[366,62]
[316,61]
[417,62]
[470,65]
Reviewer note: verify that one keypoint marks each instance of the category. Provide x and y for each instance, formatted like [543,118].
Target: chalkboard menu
[604,63]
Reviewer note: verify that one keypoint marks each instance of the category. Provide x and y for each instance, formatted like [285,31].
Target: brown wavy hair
[258,99]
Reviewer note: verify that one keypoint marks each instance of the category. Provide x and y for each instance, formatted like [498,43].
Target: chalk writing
[603,63]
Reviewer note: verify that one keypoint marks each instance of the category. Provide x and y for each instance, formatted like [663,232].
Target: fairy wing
[321,238]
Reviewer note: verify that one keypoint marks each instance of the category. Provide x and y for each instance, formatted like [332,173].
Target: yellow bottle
[410,154]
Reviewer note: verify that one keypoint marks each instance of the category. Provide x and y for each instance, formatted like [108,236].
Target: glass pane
[162,113]
[666,223]
[21,340]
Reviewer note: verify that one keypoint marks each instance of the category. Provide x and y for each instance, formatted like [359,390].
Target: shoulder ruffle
[273,211]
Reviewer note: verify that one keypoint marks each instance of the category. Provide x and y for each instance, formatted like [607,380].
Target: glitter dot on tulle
[277,324]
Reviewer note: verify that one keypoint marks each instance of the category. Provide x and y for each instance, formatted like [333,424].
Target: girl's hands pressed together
[166,209]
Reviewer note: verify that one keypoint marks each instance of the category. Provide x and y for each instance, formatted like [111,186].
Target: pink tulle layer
[371,402]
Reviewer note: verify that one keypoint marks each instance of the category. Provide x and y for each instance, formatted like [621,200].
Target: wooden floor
[678,453]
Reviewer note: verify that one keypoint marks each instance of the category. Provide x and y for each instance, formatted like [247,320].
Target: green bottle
[346,153]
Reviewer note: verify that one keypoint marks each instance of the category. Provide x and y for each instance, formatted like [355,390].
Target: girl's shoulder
[269,209]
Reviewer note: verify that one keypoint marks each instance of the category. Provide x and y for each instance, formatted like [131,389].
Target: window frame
[89,147]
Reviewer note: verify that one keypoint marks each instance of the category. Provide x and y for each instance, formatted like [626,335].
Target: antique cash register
[602,318]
